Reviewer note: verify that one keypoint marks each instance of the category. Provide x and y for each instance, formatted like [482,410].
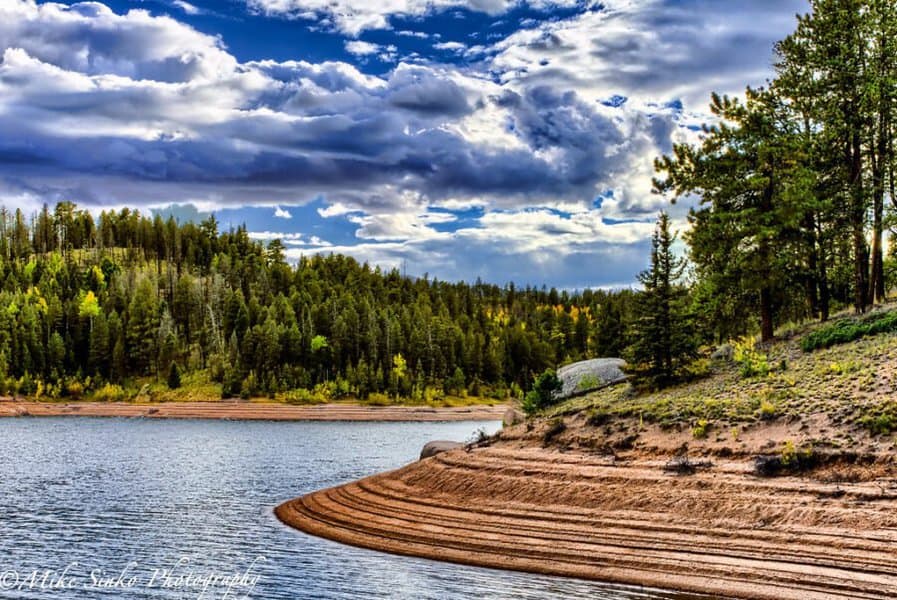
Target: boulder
[723,352]
[513,416]
[588,375]
[437,447]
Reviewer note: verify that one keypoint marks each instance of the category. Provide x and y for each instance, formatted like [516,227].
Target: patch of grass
[700,430]
[883,421]
[849,330]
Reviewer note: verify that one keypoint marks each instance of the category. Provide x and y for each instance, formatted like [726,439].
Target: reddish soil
[722,530]
[251,411]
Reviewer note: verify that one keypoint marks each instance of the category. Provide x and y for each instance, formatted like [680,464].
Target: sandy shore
[721,531]
[251,411]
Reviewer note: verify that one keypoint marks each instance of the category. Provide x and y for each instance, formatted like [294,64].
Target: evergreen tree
[174,376]
[662,336]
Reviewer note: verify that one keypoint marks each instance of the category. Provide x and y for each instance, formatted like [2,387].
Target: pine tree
[662,337]
[174,376]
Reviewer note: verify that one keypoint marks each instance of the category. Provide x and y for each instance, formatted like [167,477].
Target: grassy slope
[838,400]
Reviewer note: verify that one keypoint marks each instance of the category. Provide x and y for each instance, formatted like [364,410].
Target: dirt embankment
[721,529]
[251,411]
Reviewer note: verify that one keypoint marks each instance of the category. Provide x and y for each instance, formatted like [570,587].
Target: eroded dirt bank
[720,530]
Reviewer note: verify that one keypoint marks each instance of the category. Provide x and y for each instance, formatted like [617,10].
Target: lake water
[132,508]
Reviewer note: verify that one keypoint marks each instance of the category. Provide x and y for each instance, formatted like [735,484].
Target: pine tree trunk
[767,327]
[824,297]
[858,214]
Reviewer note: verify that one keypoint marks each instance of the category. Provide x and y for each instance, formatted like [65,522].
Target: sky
[510,140]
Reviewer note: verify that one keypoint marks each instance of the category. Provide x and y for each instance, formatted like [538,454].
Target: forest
[104,306]
[792,189]
[795,182]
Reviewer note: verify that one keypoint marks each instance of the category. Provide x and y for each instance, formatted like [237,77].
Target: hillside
[830,401]
[124,305]
[768,486]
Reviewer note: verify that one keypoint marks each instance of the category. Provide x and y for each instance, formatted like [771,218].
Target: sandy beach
[251,411]
[625,519]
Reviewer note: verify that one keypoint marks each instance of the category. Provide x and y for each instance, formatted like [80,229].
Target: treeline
[796,182]
[126,298]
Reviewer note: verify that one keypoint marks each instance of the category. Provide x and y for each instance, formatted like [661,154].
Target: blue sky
[502,139]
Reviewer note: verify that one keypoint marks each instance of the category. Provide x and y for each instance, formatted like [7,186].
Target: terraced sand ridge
[722,531]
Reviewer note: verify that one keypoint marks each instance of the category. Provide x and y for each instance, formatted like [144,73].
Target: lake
[136,508]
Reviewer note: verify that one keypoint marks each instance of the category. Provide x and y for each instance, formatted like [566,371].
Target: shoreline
[721,531]
[252,411]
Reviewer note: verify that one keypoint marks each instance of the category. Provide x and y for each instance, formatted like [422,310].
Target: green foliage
[319,342]
[110,393]
[768,410]
[543,393]
[882,421]
[700,430]
[174,377]
[848,330]
[121,297]
[588,382]
[752,362]
[663,340]
[89,306]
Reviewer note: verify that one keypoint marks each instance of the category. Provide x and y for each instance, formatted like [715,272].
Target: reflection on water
[138,508]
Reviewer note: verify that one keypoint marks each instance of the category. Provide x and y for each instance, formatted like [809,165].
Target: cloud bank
[549,133]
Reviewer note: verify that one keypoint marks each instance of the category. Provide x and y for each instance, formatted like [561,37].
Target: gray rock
[513,416]
[438,447]
[581,377]
[724,352]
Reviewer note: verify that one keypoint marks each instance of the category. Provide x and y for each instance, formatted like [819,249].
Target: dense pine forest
[109,305]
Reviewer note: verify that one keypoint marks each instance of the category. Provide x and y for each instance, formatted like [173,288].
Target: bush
[303,396]
[849,330]
[110,393]
[543,393]
[768,410]
[174,377]
[74,389]
[377,399]
[883,421]
[699,431]
[753,363]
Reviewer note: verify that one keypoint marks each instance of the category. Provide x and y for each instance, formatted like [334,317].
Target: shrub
[883,422]
[303,396]
[543,393]
[753,363]
[588,382]
[700,430]
[849,330]
[110,393]
[74,389]
[377,399]
[174,377]
[768,410]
